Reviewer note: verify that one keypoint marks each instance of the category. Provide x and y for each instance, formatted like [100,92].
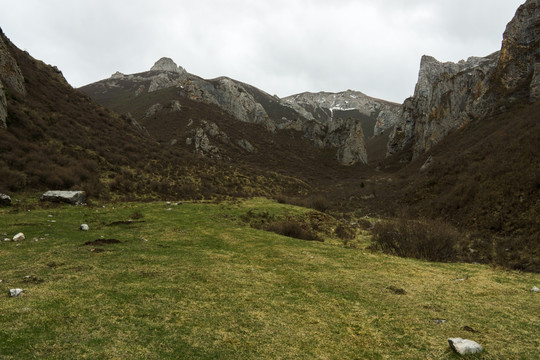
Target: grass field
[194,281]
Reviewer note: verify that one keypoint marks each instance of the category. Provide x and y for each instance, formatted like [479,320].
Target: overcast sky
[281,46]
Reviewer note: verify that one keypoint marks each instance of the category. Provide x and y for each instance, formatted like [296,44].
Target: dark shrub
[429,240]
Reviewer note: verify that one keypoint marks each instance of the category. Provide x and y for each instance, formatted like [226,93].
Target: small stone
[18,237]
[15,292]
[84,227]
[535,289]
[464,346]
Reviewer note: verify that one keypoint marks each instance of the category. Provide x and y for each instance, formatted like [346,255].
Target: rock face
[230,95]
[201,140]
[11,78]
[449,95]
[70,197]
[519,64]
[464,346]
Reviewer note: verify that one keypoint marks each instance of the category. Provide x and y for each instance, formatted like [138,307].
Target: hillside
[56,137]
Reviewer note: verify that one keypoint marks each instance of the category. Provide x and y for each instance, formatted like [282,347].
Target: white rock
[535,289]
[18,237]
[15,292]
[84,227]
[464,346]
[70,197]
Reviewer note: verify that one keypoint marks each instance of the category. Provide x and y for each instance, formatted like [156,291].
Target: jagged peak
[167,64]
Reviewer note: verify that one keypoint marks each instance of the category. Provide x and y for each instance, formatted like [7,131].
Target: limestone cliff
[11,77]
[519,63]
[449,95]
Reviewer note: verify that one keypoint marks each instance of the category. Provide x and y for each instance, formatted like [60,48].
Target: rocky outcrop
[344,134]
[519,64]
[231,96]
[451,95]
[447,96]
[201,140]
[322,107]
[167,65]
[246,145]
[11,78]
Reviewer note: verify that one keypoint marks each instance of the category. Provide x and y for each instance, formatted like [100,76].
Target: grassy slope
[204,285]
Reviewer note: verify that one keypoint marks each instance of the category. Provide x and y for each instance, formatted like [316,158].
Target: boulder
[464,346]
[70,197]
[19,237]
[5,200]
[15,292]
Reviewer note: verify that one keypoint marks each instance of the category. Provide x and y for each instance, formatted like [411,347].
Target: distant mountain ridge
[341,123]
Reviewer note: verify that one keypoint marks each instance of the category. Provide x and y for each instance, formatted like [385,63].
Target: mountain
[55,137]
[339,124]
[448,95]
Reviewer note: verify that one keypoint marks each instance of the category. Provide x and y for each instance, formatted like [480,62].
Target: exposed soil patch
[125,222]
[99,242]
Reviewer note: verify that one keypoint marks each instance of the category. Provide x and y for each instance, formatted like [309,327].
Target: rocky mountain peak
[167,64]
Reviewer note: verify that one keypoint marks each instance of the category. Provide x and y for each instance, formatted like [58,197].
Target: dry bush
[292,228]
[345,232]
[319,203]
[429,240]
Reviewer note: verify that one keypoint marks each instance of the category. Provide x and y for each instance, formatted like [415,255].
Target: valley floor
[195,281]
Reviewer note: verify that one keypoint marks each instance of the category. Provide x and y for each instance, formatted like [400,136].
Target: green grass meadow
[195,281]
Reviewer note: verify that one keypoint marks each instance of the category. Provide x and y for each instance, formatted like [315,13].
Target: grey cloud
[281,46]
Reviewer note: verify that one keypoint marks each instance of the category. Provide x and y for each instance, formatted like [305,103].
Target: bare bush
[429,240]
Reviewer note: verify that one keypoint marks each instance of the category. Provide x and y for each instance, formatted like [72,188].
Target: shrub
[292,228]
[345,232]
[429,240]
[319,203]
